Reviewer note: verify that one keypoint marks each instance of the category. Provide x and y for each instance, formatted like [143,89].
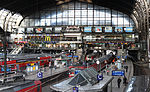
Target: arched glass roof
[78,13]
[9,20]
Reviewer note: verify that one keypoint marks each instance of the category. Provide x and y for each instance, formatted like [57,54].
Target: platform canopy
[85,77]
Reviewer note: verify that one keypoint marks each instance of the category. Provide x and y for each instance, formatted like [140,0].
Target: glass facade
[80,14]
[9,19]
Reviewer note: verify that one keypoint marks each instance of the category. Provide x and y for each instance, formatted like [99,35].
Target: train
[78,66]
[22,86]
[19,63]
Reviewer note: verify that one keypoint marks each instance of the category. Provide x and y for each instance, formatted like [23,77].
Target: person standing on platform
[119,81]
[124,80]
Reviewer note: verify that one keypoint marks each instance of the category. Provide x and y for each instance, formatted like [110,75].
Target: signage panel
[108,29]
[39,30]
[118,29]
[48,30]
[118,73]
[87,29]
[75,89]
[29,30]
[128,29]
[58,29]
[98,29]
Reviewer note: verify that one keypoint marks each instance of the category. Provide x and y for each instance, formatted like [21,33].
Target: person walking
[119,81]
[124,80]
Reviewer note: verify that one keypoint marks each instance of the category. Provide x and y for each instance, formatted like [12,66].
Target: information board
[87,29]
[118,73]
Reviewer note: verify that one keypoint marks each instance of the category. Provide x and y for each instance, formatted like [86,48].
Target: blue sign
[128,29]
[118,56]
[69,55]
[118,29]
[99,77]
[118,73]
[77,71]
[40,75]
[75,89]
[8,69]
[87,29]
[75,56]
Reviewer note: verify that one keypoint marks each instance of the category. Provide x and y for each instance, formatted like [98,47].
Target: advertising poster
[98,29]
[48,30]
[21,30]
[108,29]
[128,29]
[39,30]
[87,29]
[58,29]
[118,29]
[29,30]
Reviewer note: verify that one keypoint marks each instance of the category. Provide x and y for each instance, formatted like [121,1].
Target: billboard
[39,30]
[87,29]
[48,30]
[108,29]
[98,29]
[118,29]
[29,30]
[128,29]
[58,29]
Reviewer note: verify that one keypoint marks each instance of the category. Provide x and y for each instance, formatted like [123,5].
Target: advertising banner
[39,30]
[98,29]
[128,29]
[118,29]
[87,29]
[29,30]
[48,30]
[108,29]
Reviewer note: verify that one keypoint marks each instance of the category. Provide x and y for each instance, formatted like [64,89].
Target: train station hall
[74,46]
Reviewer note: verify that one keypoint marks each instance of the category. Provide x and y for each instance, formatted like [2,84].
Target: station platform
[47,72]
[128,75]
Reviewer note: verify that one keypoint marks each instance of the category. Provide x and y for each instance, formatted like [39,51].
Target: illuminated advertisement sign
[98,29]
[29,30]
[118,29]
[48,30]
[128,29]
[108,29]
[39,30]
[73,29]
[21,30]
[87,29]
[58,29]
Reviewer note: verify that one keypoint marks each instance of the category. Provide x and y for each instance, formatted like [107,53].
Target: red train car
[22,86]
[77,67]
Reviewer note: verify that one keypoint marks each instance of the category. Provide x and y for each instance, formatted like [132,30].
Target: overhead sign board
[99,77]
[40,75]
[118,73]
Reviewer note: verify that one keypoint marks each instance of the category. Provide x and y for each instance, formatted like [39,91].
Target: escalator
[17,50]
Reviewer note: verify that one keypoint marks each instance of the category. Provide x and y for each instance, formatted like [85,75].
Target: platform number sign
[99,77]
[75,89]
[40,75]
